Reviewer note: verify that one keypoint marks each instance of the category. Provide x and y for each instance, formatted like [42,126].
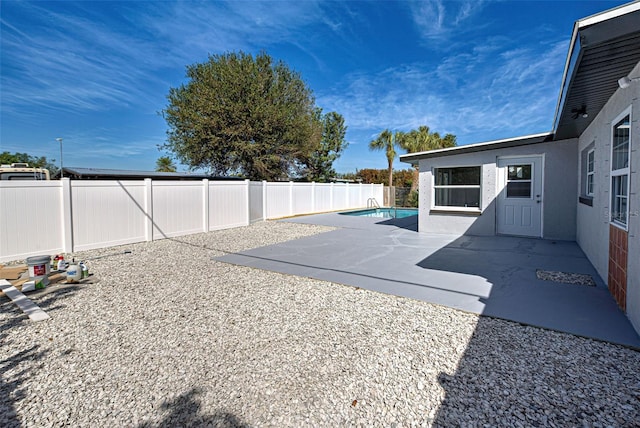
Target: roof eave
[569,66]
[413,158]
[576,50]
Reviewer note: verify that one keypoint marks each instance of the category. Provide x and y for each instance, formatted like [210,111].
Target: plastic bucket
[39,268]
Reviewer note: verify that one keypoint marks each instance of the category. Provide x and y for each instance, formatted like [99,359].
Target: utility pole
[59,140]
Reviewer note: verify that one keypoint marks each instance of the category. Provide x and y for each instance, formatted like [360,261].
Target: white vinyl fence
[48,217]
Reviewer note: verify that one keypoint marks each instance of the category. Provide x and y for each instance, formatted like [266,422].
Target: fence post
[247,189]
[346,196]
[313,196]
[148,209]
[291,198]
[331,197]
[205,205]
[67,219]
[264,200]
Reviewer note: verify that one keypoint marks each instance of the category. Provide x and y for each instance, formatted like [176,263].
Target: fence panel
[66,216]
[278,201]
[107,213]
[256,201]
[340,195]
[356,197]
[302,194]
[373,191]
[323,197]
[177,208]
[228,204]
[30,219]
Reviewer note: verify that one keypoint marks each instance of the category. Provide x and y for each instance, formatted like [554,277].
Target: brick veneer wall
[618,245]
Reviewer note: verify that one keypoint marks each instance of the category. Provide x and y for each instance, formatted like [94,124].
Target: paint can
[39,270]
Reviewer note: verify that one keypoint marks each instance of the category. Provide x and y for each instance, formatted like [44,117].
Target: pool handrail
[372,203]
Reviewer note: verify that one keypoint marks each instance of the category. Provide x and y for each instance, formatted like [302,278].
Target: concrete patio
[493,276]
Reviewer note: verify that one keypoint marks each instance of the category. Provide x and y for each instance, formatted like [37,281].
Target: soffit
[606,51]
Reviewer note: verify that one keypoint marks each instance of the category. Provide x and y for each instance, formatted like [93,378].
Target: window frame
[616,174]
[435,187]
[590,174]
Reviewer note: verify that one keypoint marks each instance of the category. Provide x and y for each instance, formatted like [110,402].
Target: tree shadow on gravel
[49,299]
[186,411]
[516,375]
[11,384]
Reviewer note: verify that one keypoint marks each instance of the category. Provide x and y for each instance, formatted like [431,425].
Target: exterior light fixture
[580,112]
[625,81]
[59,140]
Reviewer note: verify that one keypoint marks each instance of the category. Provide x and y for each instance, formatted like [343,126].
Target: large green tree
[332,144]
[388,141]
[238,114]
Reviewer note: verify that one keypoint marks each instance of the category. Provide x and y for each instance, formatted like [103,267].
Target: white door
[519,204]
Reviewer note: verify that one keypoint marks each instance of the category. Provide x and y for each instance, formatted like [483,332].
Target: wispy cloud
[191,30]
[74,60]
[70,62]
[438,19]
[471,94]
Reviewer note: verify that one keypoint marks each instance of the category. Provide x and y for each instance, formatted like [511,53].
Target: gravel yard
[169,337]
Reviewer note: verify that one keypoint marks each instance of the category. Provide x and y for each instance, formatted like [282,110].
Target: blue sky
[97,73]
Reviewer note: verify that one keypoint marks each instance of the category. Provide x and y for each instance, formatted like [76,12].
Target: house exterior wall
[593,229]
[559,211]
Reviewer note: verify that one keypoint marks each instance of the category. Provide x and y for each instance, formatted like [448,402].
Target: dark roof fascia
[575,53]
[592,31]
[479,147]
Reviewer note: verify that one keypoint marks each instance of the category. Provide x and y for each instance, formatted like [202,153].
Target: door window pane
[519,181]
[519,189]
[519,172]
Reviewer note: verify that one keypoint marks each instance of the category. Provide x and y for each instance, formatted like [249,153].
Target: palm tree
[449,140]
[388,141]
[165,164]
[422,140]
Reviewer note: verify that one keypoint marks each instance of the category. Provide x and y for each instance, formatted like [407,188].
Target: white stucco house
[580,181]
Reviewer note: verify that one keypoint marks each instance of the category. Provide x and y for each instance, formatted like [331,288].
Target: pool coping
[377,209]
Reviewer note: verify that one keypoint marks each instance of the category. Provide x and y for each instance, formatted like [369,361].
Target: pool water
[384,212]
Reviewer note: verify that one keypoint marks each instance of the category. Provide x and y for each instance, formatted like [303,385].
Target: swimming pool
[384,212]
